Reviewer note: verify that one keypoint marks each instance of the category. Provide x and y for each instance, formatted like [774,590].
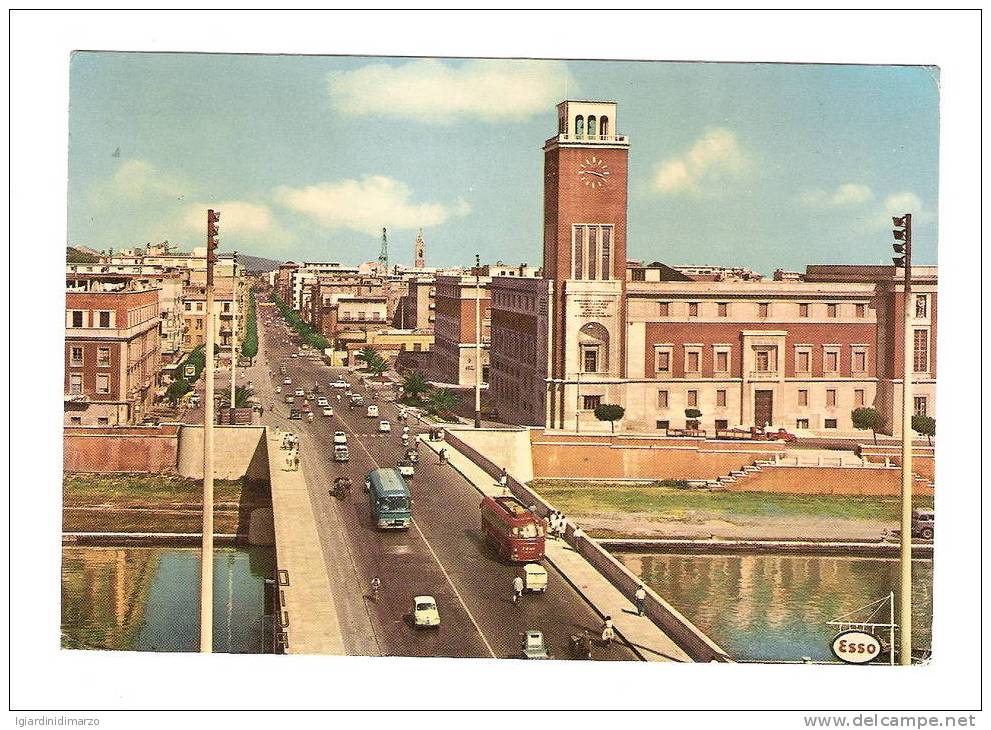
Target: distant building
[454,358]
[112,349]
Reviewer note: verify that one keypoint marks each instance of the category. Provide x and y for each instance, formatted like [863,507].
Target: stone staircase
[735,477]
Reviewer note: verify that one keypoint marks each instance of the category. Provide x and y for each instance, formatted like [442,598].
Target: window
[692,358]
[803,310]
[104,319]
[77,318]
[592,245]
[662,360]
[803,398]
[801,423]
[858,397]
[766,359]
[763,309]
[199,306]
[76,356]
[102,421]
[579,126]
[920,354]
[721,398]
[832,310]
[830,361]
[693,309]
[921,403]
[693,398]
[829,423]
[639,275]
[591,402]
[103,357]
[802,360]
[830,398]
[861,310]
[75,421]
[722,309]
[227,306]
[592,131]
[721,424]
[603,126]
[663,425]
[859,361]
[722,361]
[75,384]
[663,309]
[605,269]
[662,399]
[590,359]
[921,306]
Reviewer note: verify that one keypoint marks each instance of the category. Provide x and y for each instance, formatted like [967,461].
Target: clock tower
[585,196]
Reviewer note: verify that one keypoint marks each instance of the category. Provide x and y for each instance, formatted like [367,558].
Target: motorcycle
[342,487]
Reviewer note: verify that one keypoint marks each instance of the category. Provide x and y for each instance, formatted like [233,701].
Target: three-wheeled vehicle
[533,645]
[405,468]
[342,487]
[534,578]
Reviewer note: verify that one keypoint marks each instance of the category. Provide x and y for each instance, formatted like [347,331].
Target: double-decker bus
[516,533]
[389,499]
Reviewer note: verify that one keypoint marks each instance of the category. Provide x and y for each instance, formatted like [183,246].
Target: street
[442,554]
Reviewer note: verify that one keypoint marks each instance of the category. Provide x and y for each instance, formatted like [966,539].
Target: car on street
[300,393]
[293,355]
[405,468]
[328,411]
[321,401]
[287,381]
[385,427]
[289,398]
[425,613]
[373,411]
[295,415]
[340,437]
[341,453]
[339,384]
[923,523]
[534,646]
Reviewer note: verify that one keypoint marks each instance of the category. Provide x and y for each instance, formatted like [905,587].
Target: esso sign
[856,647]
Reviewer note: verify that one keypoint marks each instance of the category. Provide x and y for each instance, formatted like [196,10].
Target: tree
[610,412]
[414,386]
[242,396]
[378,365]
[865,418]
[441,402]
[249,347]
[926,425]
[177,389]
[692,415]
[372,359]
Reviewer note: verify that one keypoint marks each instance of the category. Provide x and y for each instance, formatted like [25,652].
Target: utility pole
[903,233]
[478,343]
[206,549]
[233,335]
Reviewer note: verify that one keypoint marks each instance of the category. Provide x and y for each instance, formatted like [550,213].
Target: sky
[308,157]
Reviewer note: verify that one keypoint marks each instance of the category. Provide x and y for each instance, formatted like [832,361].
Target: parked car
[339,384]
[923,523]
[295,415]
[534,646]
[385,427]
[340,437]
[425,613]
[300,393]
[321,401]
[287,381]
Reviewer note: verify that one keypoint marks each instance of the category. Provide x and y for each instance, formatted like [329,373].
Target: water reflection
[775,607]
[147,599]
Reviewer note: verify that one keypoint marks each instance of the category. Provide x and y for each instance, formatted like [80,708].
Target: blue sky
[763,166]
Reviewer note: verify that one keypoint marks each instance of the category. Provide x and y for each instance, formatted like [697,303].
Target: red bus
[516,533]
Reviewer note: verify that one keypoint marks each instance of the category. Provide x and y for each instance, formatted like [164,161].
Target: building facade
[455,352]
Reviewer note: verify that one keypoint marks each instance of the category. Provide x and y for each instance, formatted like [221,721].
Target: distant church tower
[418,258]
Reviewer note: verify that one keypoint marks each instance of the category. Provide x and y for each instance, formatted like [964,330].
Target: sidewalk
[647,640]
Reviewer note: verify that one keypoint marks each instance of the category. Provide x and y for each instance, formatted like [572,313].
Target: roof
[390,481]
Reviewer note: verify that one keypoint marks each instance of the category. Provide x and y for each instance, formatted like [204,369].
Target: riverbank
[620,510]
[155,503]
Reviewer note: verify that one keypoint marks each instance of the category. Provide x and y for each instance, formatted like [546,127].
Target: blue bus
[389,499]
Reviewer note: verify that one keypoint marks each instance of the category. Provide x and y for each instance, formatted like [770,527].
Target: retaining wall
[682,631]
[923,457]
[239,451]
[858,480]
[144,449]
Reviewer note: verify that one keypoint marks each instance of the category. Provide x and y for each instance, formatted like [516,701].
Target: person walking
[376,585]
[578,535]
[608,632]
[517,589]
[442,455]
[503,479]
[641,596]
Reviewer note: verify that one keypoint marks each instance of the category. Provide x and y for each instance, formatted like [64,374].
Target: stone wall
[239,451]
[143,449]
[854,480]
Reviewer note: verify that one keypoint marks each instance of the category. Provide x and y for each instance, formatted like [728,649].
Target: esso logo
[856,647]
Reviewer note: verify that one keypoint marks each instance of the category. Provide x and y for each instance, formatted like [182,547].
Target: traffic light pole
[206,549]
[905,581]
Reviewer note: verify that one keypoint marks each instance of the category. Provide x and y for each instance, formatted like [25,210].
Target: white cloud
[433,91]
[236,217]
[714,157]
[136,178]
[845,194]
[366,205]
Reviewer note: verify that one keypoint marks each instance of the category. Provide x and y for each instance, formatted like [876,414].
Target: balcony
[593,139]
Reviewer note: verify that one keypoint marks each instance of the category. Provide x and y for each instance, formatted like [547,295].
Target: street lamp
[206,550]
[903,234]
[478,343]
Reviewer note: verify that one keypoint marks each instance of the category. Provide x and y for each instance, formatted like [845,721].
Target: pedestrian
[517,589]
[442,454]
[641,596]
[295,461]
[608,632]
[577,536]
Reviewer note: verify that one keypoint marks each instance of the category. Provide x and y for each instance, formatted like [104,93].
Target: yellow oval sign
[856,647]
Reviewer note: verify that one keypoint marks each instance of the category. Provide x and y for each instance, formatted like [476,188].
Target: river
[775,607]
[147,598]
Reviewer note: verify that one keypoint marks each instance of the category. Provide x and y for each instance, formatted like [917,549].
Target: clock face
[593,172]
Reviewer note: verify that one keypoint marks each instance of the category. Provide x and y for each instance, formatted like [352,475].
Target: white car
[300,393]
[425,613]
[340,437]
[328,411]
[372,412]
[294,355]
[339,384]
[385,427]
[321,401]
[287,381]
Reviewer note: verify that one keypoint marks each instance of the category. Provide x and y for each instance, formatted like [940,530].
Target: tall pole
[233,334]
[478,343]
[905,587]
[206,549]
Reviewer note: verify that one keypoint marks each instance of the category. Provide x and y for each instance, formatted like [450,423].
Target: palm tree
[242,394]
[414,386]
[378,365]
[368,355]
[441,402]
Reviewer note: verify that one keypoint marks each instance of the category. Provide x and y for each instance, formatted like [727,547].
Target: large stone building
[112,350]
[801,351]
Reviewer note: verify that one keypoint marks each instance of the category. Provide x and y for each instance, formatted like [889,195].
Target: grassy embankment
[663,503]
[155,503]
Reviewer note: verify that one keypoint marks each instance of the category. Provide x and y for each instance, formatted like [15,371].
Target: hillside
[76,256]
[257,263]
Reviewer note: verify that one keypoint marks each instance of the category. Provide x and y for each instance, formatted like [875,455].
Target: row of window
[763,309]
[77,356]
[76,383]
[692,398]
[78,421]
[360,316]
[517,301]
[592,252]
[589,126]
[765,358]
